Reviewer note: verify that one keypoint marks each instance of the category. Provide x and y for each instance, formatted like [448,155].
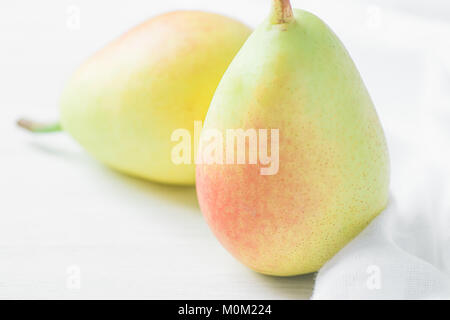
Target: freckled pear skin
[123,104]
[293,74]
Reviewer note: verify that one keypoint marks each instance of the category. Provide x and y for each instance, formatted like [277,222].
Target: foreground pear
[124,103]
[293,74]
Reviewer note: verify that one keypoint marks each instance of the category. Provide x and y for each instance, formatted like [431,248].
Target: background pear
[293,74]
[123,104]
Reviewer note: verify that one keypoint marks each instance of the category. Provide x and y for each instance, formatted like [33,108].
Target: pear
[294,75]
[124,103]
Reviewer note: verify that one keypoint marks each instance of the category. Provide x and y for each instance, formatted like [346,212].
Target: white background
[61,211]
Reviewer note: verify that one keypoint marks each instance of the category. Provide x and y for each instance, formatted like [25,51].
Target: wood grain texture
[129,238]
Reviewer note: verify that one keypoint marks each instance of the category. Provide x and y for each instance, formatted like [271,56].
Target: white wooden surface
[129,238]
[60,211]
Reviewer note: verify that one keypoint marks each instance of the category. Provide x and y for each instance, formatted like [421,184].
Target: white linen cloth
[394,258]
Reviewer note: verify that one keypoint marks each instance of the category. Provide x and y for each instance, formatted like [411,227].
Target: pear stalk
[281,12]
[38,127]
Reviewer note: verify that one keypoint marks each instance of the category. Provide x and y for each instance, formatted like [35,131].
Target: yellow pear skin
[124,103]
[293,74]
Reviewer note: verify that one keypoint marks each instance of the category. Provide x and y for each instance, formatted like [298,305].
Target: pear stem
[281,12]
[37,127]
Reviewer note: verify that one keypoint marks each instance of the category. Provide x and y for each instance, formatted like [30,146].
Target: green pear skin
[124,103]
[295,75]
